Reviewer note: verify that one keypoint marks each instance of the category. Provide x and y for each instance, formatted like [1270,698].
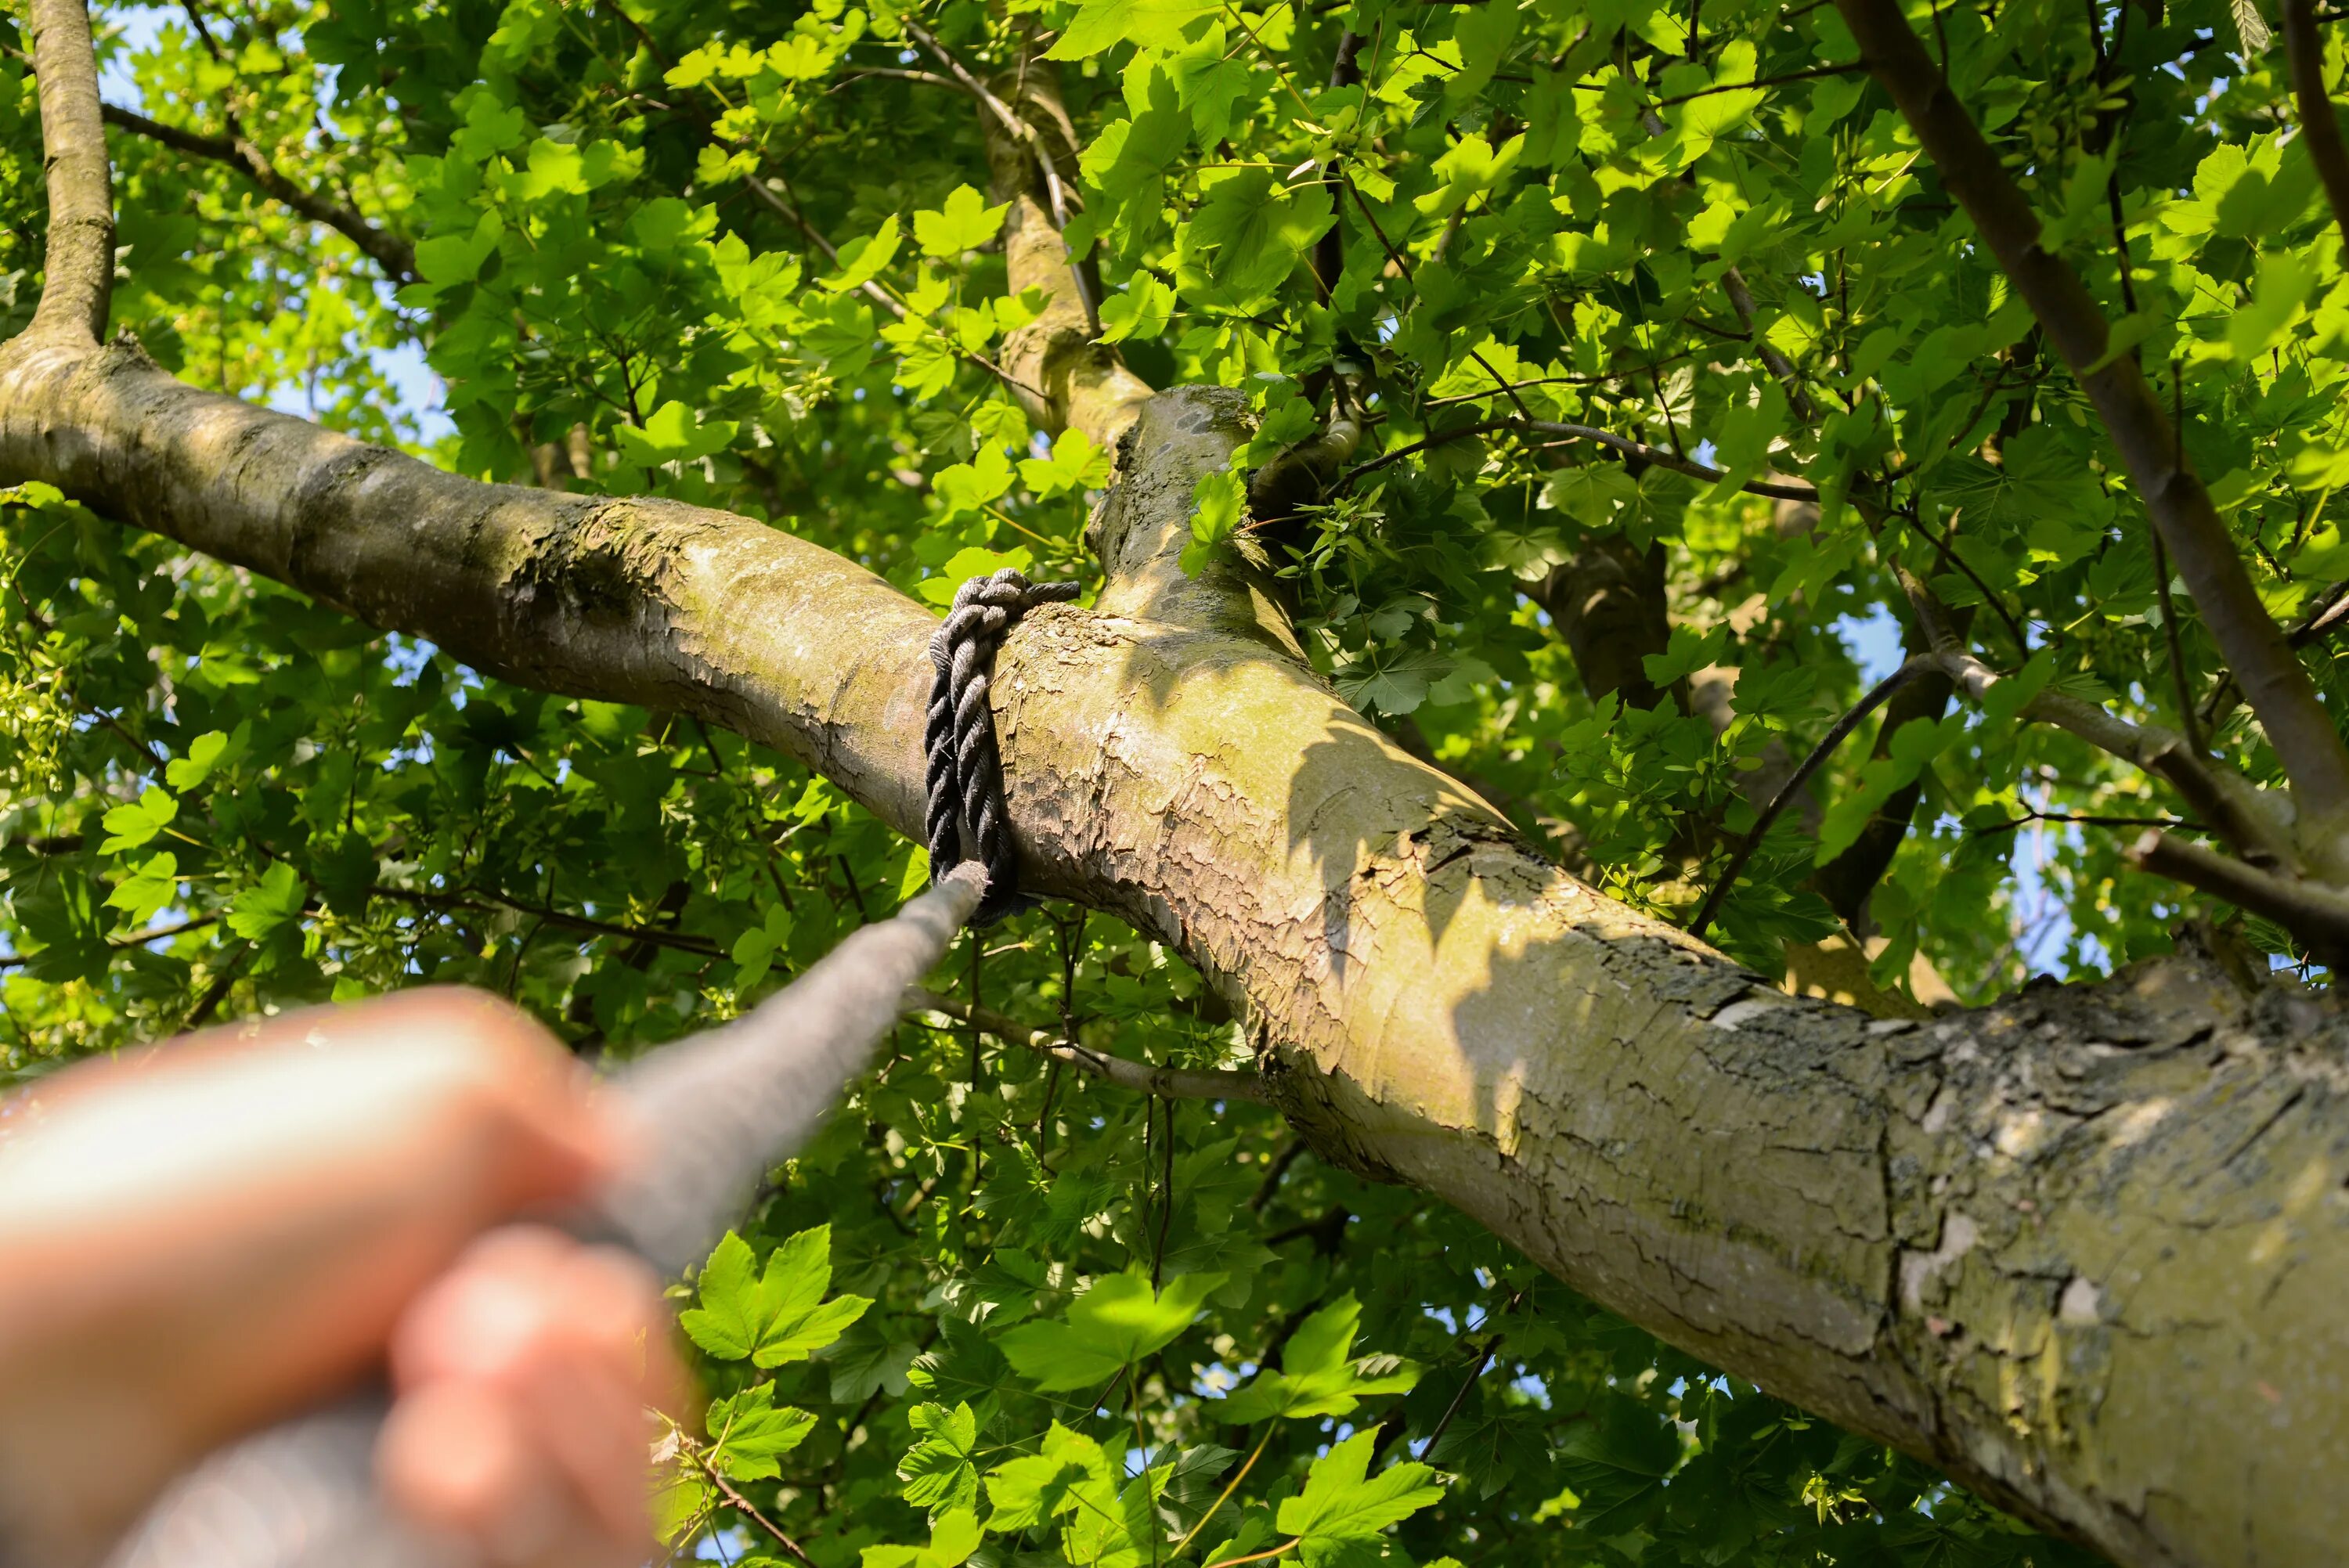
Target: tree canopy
[1649,417]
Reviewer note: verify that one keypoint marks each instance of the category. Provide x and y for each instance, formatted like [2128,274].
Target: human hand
[202,1238]
[521,1379]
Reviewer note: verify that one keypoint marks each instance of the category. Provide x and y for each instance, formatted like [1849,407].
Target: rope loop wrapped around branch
[965,817]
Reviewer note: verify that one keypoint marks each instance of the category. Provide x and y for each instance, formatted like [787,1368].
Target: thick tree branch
[79,273]
[396,256]
[1075,383]
[1140,1078]
[2317,915]
[2275,684]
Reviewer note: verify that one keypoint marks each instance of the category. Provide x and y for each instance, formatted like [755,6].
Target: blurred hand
[522,1376]
[206,1236]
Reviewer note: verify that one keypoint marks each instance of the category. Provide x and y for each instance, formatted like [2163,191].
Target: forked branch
[2273,681]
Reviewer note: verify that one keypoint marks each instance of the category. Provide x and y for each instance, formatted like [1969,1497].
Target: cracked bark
[2084,1249]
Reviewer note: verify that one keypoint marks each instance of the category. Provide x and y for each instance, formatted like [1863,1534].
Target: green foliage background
[1000,1312]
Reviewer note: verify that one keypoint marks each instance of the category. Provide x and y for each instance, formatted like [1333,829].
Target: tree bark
[2086,1249]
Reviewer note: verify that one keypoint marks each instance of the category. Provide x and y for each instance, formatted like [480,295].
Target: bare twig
[1876,698]
[1640,450]
[1166,1083]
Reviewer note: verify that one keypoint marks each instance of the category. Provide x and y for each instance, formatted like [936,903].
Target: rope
[965,817]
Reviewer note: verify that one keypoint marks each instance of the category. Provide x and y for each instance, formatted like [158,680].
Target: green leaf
[964,223]
[128,827]
[675,433]
[953,1539]
[1101,24]
[1316,1377]
[940,1470]
[750,1435]
[1340,1509]
[1142,310]
[269,906]
[1116,1323]
[1256,229]
[206,752]
[147,890]
[1216,502]
[861,261]
[1068,1471]
[774,1319]
[1076,464]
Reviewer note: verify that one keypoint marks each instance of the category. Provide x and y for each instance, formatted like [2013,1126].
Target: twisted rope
[965,817]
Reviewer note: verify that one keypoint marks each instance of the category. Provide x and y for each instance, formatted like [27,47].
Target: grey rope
[965,817]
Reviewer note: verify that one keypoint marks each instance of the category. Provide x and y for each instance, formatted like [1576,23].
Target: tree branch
[1432,1002]
[78,271]
[2317,915]
[2305,53]
[1641,452]
[1909,670]
[2221,798]
[1166,1083]
[396,256]
[1073,381]
[2278,687]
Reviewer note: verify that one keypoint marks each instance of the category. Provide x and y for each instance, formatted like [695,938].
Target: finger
[455,1460]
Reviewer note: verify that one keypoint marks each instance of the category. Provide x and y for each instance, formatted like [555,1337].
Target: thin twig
[1876,698]
[395,255]
[1658,457]
[1166,1083]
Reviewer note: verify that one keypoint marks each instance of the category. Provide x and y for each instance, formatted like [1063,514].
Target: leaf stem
[1223,1497]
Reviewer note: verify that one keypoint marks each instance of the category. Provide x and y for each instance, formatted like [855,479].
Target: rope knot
[965,818]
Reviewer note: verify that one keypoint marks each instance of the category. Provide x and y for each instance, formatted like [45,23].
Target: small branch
[870,289]
[396,256]
[2079,819]
[1741,300]
[1845,69]
[563,920]
[2326,614]
[1166,1083]
[2281,693]
[77,286]
[2222,800]
[1876,698]
[1657,455]
[2304,52]
[717,1477]
[2316,914]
